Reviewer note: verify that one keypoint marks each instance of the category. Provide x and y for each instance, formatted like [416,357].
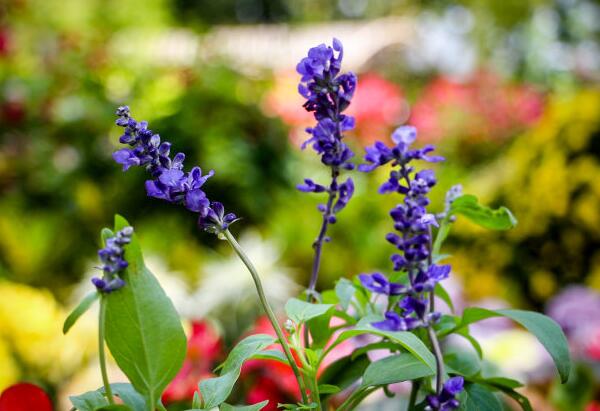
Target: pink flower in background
[482,108]
[378,106]
[205,349]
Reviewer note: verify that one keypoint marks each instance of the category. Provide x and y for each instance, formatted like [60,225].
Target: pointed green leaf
[143,330]
[216,390]
[395,368]
[81,308]
[300,311]
[254,407]
[88,401]
[498,219]
[407,340]
[345,371]
[114,407]
[545,329]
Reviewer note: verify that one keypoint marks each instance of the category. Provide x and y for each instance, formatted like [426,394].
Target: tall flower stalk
[412,237]
[328,94]
[169,182]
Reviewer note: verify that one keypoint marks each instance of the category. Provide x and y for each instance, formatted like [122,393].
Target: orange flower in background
[482,108]
[25,397]
[204,351]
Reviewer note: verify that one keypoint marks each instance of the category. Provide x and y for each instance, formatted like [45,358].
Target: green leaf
[275,355]
[345,290]
[329,389]
[128,395]
[345,371]
[507,386]
[114,407]
[216,390]
[395,368]
[498,219]
[88,401]
[300,311]
[143,330]
[478,398]
[81,308]
[254,407]
[320,330]
[407,340]
[462,362]
[546,330]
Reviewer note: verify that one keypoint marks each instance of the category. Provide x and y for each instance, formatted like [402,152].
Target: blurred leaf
[88,401]
[395,368]
[478,398]
[345,371]
[547,331]
[468,206]
[114,407]
[275,355]
[345,290]
[301,311]
[462,362]
[128,395]
[254,407]
[328,389]
[216,390]
[143,330]
[81,308]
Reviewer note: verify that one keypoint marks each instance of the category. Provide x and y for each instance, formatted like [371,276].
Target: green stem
[269,311]
[101,353]
[416,384]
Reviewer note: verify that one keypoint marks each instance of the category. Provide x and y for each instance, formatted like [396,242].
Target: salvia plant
[140,327]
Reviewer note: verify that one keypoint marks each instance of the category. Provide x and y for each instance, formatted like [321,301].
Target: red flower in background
[482,108]
[204,351]
[270,380]
[25,397]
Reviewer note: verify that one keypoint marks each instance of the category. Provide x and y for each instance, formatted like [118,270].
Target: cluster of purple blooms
[113,261]
[446,400]
[412,238]
[169,182]
[328,93]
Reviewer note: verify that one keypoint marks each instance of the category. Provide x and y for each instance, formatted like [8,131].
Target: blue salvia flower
[113,261]
[328,93]
[446,399]
[412,224]
[169,180]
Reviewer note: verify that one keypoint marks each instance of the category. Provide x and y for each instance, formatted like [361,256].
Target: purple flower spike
[394,322]
[113,261]
[169,181]
[446,400]
[378,283]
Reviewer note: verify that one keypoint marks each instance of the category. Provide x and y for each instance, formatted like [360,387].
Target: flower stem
[101,353]
[414,392]
[437,351]
[318,244]
[269,311]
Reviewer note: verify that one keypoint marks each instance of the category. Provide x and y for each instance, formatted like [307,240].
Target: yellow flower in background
[9,371]
[548,177]
[31,328]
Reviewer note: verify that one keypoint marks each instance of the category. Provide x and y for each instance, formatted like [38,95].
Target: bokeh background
[509,91]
